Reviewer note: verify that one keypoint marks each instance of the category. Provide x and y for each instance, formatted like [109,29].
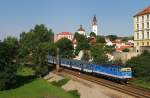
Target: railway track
[127,89]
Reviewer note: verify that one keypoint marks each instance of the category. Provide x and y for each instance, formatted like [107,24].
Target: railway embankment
[86,88]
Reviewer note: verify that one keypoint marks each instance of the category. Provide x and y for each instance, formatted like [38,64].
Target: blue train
[115,72]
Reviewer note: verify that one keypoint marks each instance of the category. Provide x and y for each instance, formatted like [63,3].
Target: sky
[114,16]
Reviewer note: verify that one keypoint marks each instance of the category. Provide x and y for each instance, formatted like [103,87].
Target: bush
[75,93]
[60,82]
[126,50]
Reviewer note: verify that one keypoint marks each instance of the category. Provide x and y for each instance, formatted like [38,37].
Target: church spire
[94,25]
[94,22]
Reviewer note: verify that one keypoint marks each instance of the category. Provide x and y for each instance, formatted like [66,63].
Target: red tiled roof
[143,12]
[123,47]
[64,33]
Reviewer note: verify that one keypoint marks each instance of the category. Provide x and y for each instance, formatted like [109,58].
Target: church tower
[94,25]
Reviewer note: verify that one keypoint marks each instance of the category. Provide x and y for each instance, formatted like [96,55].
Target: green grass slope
[34,88]
[38,88]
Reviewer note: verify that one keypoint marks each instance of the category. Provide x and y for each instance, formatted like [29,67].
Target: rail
[127,89]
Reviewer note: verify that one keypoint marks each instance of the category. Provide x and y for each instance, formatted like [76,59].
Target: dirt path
[88,89]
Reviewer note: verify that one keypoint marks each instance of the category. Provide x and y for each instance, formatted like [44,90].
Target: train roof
[104,65]
[109,65]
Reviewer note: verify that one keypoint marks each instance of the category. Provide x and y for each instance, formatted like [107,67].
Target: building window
[137,35]
[137,26]
[147,17]
[143,43]
[143,35]
[137,18]
[147,35]
[142,18]
[147,24]
[137,43]
[147,43]
[143,25]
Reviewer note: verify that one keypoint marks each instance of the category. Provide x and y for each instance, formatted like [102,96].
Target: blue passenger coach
[109,70]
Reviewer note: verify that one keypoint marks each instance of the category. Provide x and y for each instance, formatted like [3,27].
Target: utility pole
[57,64]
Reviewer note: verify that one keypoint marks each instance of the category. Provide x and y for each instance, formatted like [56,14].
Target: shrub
[75,93]
[60,82]
[126,50]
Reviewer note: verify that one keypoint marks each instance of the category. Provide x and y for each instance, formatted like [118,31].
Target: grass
[38,88]
[35,88]
[142,83]
[25,71]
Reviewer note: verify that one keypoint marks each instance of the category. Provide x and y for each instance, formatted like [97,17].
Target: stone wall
[125,56]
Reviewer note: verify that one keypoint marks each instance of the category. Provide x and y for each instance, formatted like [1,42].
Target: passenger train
[120,73]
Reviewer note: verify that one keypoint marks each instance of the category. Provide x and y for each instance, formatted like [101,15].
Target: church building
[81,30]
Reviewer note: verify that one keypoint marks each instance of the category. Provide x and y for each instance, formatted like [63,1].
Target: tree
[112,37]
[98,54]
[100,39]
[82,42]
[109,49]
[80,37]
[118,62]
[7,66]
[35,46]
[65,47]
[53,49]
[92,34]
[85,56]
[12,41]
[14,44]
[40,59]
[140,66]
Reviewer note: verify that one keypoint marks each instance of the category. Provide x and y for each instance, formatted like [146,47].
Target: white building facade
[81,30]
[142,29]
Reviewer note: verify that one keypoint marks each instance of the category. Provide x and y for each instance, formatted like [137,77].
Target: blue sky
[114,16]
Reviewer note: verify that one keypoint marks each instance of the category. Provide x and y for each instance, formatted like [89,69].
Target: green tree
[109,49]
[40,56]
[118,62]
[140,66]
[85,56]
[35,46]
[14,44]
[7,66]
[82,42]
[100,39]
[92,34]
[98,54]
[53,49]
[112,37]
[12,41]
[80,37]
[65,47]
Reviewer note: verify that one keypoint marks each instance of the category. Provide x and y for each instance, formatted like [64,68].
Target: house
[61,35]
